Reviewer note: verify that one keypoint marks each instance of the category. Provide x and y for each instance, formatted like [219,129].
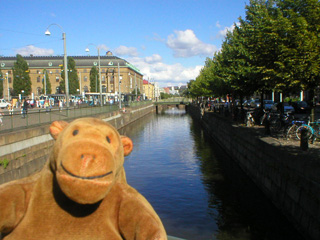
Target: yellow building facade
[148,89]
[117,75]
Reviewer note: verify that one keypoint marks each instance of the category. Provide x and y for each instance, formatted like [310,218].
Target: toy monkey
[81,193]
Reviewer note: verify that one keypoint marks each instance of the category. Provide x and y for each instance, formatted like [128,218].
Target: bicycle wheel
[290,133]
[316,129]
[309,131]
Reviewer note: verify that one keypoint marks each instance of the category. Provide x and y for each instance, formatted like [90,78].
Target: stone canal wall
[290,179]
[27,150]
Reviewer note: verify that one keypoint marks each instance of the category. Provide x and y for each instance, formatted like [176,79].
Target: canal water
[196,189]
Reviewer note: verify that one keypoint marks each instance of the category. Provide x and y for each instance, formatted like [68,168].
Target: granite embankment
[24,152]
[288,176]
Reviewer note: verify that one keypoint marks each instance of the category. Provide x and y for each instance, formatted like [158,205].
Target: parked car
[268,104]
[286,106]
[255,103]
[301,107]
[4,103]
[246,103]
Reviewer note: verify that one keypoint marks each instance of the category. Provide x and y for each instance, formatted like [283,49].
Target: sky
[167,40]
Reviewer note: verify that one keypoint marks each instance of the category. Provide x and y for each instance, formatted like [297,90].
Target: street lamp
[65,59]
[8,86]
[100,84]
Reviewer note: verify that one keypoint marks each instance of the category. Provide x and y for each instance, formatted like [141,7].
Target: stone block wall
[290,180]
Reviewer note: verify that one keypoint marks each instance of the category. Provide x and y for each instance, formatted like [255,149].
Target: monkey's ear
[127,145]
[56,127]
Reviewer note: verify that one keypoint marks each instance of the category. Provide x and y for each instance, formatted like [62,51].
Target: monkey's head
[87,158]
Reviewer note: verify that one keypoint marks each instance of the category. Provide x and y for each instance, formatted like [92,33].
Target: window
[57,71]
[104,89]
[103,70]
[38,79]
[86,89]
[9,79]
[85,70]
[103,79]
[130,82]
[39,91]
[85,78]
[57,79]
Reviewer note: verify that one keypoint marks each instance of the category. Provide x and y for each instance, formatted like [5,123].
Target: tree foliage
[274,48]
[94,79]
[46,83]
[72,77]
[21,77]
[1,83]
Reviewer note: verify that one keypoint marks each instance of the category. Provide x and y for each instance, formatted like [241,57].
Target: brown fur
[81,193]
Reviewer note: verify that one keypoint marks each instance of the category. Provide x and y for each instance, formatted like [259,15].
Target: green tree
[21,77]
[1,83]
[72,78]
[134,91]
[303,44]
[94,79]
[46,83]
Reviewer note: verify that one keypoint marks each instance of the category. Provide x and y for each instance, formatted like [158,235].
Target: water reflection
[198,192]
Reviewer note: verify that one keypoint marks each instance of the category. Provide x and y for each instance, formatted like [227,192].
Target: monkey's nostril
[82,156]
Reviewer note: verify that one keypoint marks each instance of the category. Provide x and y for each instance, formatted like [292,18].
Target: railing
[176,100]
[39,116]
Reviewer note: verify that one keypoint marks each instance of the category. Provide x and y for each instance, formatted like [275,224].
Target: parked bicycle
[279,122]
[290,132]
[313,130]
[249,119]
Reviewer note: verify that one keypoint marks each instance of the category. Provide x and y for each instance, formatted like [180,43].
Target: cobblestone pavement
[292,146]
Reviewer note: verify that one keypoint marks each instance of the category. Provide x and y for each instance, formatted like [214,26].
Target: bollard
[304,139]
[267,127]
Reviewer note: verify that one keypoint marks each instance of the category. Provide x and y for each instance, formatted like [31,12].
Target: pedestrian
[46,104]
[60,105]
[1,116]
[24,108]
[10,108]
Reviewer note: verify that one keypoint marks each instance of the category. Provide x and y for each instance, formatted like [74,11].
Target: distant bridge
[173,101]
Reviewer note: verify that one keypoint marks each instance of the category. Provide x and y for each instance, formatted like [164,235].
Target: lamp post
[100,84]
[65,60]
[119,86]
[8,86]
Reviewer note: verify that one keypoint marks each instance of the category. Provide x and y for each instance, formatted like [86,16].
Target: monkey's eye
[75,132]
[108,139]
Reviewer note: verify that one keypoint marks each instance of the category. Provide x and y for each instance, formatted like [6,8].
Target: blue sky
[168,40]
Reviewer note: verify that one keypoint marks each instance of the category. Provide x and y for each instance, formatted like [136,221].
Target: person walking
[1,116]
[24,108]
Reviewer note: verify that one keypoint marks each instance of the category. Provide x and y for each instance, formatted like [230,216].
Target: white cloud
[218,25]
[153,59]
[165,74]
[32,50]
[126,51]
[223,33]
[186,44]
